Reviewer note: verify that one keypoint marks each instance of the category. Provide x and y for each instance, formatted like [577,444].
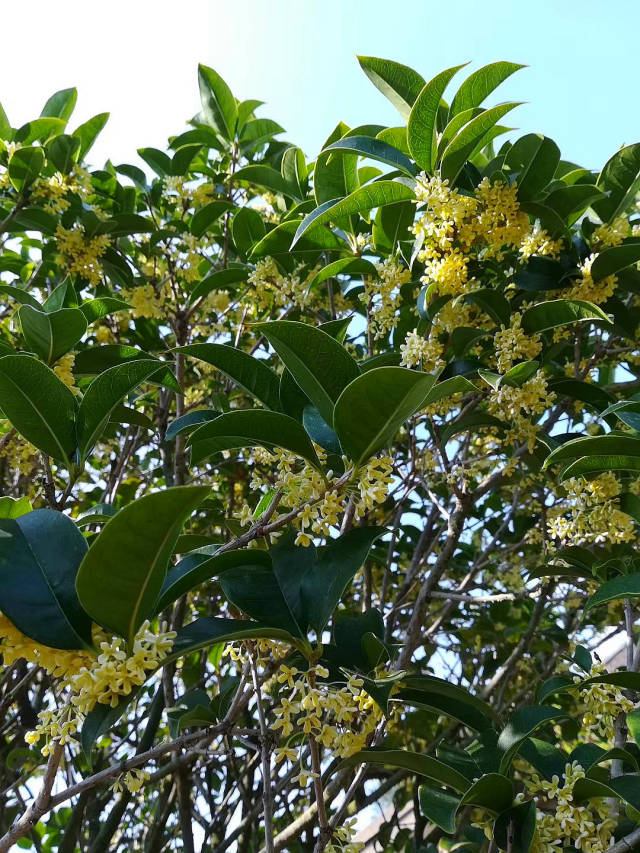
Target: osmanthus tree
[320,484]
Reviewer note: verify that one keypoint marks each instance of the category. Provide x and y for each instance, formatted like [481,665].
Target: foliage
[320,482]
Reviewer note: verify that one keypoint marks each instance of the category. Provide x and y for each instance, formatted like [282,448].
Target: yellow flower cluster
[321,500]
[382,297]
[513,344]
[590,513]
[429,352]
[538,242]
[63,369]
[88,680]
[21,455]
[602,705]
[145,301]
[586,288]
[80,254]
[340,718]
[54,190]
[59,663]
[176,189]
[611,234]
[586,827]
[519,405]
[272,288]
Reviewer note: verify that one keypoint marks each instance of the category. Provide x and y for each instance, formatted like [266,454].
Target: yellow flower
[81,255]
[63,369]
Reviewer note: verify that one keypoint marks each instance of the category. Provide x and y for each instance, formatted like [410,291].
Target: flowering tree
[320,484]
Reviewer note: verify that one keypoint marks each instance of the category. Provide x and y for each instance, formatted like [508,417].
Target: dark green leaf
[218,104]
[121,576]
[319,364]
[39,557]
[533,159]
[620,179]
[374,149]
[61,104]
[208,631]
[25,166]
[373,407]
[251,428]
[423,765]
[39,405]
[52,334]
[480,85]
[399,83]
[218,281]
[189,422]
[623,586]
[522,724]
[463,144]
[614,259]
[244,370]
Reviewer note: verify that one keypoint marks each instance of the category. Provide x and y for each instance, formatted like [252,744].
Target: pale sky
[138,58]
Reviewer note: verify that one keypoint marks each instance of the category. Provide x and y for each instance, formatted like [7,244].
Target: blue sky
[138,58]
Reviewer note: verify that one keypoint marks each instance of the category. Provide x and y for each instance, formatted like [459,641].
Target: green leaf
[492,792]
[560,312]
[61,104]
[571,202]
[100,358]
[423,765]
[515,828]
[430,686]
[421,127]
[319,430]
[208,631]
[544,757]
[597,464]
[627,411]
[40,553]
[623,788]
[373,407]
[88,132]
[258,592]
[251,428]
[614,259]
[343,266]
[361,200]
[618,445]
[121,576]
[447,388]
[247,229]
[633,724]
[480,85]
[25,166]
[267,177]
[39,405]
[52,334]
[623,586]
[374,149]
[391,226]
[324,582]
[157,160]
[293,169]
[95,309]
[315,241]
[197,568]
[189,422]
[63,151]
[620,179]
[244,370]
[398,83]
[205,216]
[103,394]
[218,281]
[319,364]
[218,104]
[14,507]
[533,159]
[463,144]
[522,724]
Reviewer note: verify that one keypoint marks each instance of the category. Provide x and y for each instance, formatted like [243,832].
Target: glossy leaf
[614,259]
[251,428]
[52,334]
[267,177]
[397,82]
[533,159]
[375,149]
[463,144]
[218,104]
[39,405]
[374,406]
[493,792]
[218,281]
[362,200]
[190,422]
[244,370]
[343,266]
[25,166]
[421,127]
[623,586]
[619,445]
[40,553]
[104,393]
[560,312]
[422,765]
[620,179]
[523,723]
[121,576]
[480,85]
[209,631]
[319,364]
